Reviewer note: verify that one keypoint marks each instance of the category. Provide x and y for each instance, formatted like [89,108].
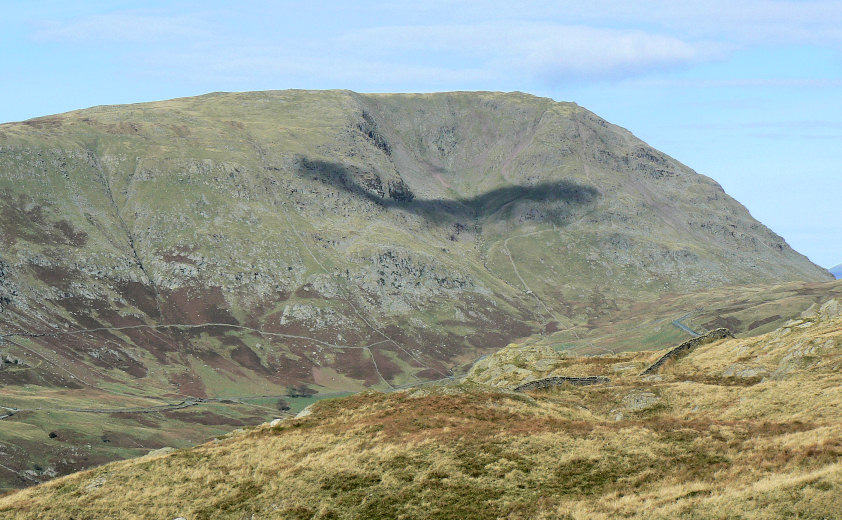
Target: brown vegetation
[679,447]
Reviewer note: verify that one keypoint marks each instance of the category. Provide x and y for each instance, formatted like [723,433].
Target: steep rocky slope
[262,244]
[738,428]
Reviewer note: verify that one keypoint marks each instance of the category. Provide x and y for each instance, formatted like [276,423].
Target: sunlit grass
[706,448]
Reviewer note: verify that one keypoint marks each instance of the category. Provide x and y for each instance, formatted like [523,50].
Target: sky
[748,93]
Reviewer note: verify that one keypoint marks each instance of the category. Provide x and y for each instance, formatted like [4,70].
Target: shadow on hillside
[562,198]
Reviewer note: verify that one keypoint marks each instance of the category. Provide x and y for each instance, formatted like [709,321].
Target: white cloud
[561,53]
[542,50]
[451,56]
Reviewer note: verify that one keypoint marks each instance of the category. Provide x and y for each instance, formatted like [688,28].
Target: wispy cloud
[548,51]
[289,63]
[455,45]
[748,21]
[439,55]
[558,54]
[122,27]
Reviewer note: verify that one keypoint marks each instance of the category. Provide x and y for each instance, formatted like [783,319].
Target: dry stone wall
[687,346]
[552,382]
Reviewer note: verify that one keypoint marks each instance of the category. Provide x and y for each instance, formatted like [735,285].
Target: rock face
[338,240]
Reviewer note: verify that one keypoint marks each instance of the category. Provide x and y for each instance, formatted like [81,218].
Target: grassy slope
[691,443]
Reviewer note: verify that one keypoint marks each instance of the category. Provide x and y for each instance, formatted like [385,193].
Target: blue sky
[749,93]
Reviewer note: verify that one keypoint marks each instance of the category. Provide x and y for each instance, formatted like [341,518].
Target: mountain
[836,271]
[429,227]
[736,428]
[193,265]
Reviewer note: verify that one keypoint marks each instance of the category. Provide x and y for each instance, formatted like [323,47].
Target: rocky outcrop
[7,359]
[553,382]
[687,346]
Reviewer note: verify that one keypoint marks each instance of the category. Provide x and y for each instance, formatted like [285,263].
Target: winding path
[529,291]
[679,324]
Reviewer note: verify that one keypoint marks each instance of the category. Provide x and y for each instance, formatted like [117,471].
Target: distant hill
[836,271]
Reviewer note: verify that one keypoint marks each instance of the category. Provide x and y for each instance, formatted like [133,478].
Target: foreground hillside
[48,430]
[738,428]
